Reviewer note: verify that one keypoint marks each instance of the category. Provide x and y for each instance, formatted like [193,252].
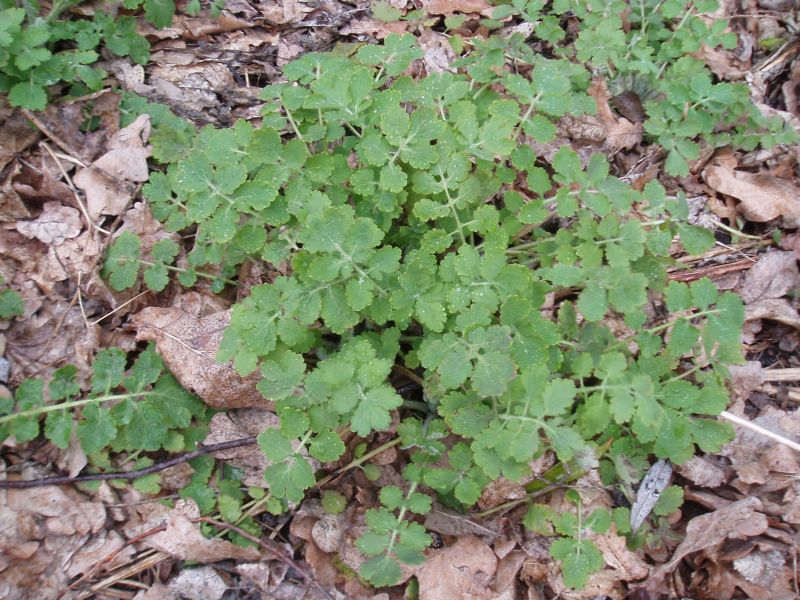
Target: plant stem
[40,410]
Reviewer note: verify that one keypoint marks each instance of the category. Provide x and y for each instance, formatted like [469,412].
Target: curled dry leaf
[620,132]
[762,197]
[56,224]
[773,309]
[125,161]
[738,520]
[463,570]
[188,343]
[183,540]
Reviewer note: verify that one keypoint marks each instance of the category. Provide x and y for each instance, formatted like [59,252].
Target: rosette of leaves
[414,226]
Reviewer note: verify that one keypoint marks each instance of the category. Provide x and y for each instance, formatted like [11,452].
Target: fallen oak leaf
[761,197]
[188,344]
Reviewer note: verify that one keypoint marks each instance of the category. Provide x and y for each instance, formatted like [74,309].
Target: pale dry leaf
[202,583]
[738,520]
[438,53]
[56,224]
[762,197]
[183,540]
[500,491]
[257,575]
[791,242]
[463,570]
[721,62]
[16,135]
[373,27]
[188,345]
[507,569]
[773,309]
[328,532]
[323,565]
[125,160]
[760,567]
[773,276]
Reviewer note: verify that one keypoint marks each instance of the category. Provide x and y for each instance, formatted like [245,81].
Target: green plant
[419,232]
[127,410]
[40,51]
[10,302]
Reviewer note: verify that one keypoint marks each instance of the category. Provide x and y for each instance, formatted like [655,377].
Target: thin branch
[65,480]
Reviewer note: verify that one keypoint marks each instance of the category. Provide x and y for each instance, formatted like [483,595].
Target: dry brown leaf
[463,570]
[721,62]
[773,276]
[455,524]
[125,161]
[738,520]
[762,197]
[183,540]
[754,457]
[188,343]
[56,224]
[626,565]
[701,471]
[620,132]
[369,26]
[238,424]
[438,53]
[449,7]
[507,569]
[55,335]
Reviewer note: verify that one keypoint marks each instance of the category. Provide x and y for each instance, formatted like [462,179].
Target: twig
[758,429]
[65,480]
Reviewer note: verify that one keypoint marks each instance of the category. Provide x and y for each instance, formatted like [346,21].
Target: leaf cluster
[135,409]
[38,51]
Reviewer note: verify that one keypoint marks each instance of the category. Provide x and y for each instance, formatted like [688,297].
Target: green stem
[40,410]
[180,270]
